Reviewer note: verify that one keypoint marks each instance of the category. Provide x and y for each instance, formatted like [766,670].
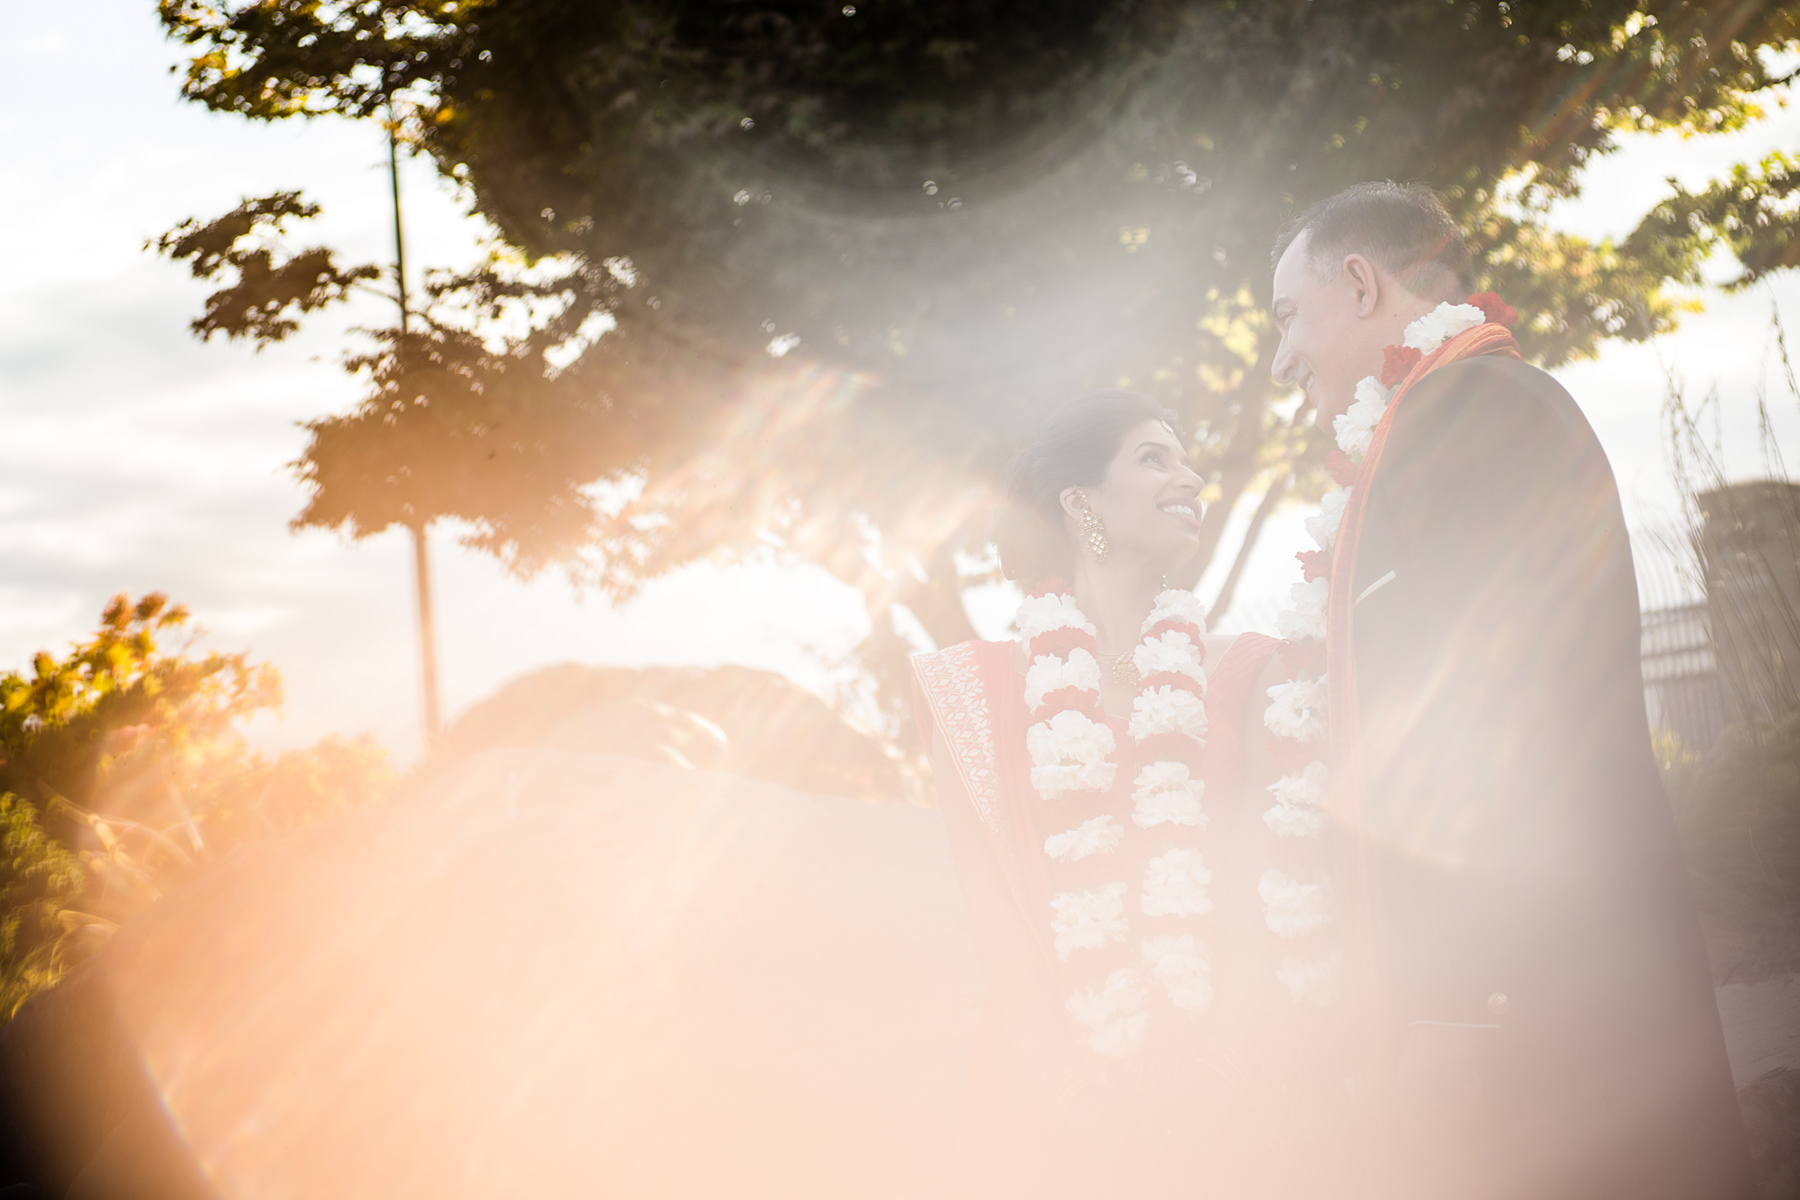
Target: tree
[453,425]
[123,767]
[960,213]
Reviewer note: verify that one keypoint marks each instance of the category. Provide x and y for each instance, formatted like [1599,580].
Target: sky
[133,458]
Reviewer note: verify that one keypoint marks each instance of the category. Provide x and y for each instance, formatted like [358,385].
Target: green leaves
[73,719]
[265,294]
[124,768]
[1571,292]
[1754,213]
[459,422]
[39,879]
[453,428]
[271,59]
[634,129]
[972,211]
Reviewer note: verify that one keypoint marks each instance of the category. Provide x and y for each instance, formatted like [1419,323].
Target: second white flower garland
[1298,713]
[1072,755]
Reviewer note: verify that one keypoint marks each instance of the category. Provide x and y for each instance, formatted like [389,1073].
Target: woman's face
[1149,502]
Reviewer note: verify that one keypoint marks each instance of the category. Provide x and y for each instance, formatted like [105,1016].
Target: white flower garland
[1166,710]
[1182,963]
[1322,527]
[1440,325]
[1113,1015]
[1088,920]
[1299,803]
[1306,619]
[1297,709]
[1039,615]
[1355,427]
[1177,605]
[1173,652]
[1175,885]
[1098,836]
[1049,673]
[1163,793]
[1072,754]
[1297,714]
[1293,909]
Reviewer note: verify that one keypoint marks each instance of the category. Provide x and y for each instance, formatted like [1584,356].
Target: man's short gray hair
[1402,228]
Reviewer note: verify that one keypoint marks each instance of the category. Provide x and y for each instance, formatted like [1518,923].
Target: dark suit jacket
[1530,875]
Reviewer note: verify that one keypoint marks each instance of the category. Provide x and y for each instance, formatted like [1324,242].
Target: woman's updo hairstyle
[1073,448]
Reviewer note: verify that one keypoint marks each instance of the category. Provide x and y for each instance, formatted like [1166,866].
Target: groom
[1526,937]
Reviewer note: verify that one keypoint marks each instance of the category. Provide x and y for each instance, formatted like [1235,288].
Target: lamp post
[419,527]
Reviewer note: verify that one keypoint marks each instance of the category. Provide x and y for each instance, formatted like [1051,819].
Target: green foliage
[38,880]
[267,297]
[302,59]
[77,722]
[970,211]
[334,775]
[457,423]
[124,769]
[1753,213]
[455,427]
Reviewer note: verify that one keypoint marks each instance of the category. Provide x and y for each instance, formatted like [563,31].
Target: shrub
[123,768]
[39,881]
[1738,810]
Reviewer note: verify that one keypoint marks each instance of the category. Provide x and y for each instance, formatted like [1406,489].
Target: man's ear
[1365,282]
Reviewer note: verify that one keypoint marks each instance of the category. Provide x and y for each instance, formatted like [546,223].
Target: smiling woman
[1109,860]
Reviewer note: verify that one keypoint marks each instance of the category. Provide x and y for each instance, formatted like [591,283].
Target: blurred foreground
[559,975]
[553,973]
[626,932]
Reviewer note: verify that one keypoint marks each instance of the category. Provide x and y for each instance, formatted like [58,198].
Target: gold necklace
[1120,667]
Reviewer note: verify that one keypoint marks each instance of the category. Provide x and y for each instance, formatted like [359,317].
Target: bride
[1147,886]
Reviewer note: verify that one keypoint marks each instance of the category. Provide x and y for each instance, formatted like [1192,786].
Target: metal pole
[399,233]
[427,638]
[421,549]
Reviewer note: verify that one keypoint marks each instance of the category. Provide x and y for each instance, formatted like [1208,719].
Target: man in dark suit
[1533,951]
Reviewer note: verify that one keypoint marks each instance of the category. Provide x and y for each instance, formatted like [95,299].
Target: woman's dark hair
[1073,448]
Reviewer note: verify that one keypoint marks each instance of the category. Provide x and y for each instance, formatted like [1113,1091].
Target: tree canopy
[955,215]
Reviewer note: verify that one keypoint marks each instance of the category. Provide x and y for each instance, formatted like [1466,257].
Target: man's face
[1324,336]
